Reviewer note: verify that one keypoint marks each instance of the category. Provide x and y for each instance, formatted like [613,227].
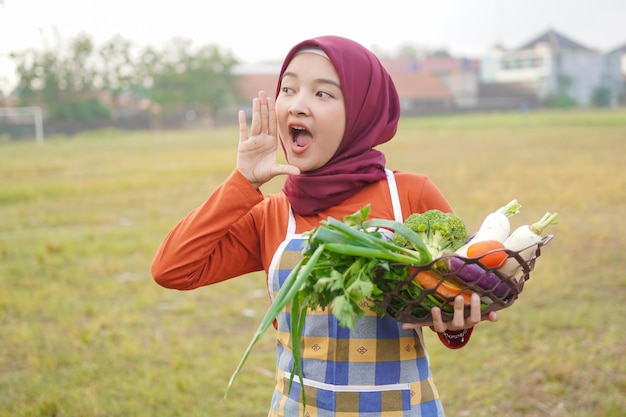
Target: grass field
[84,331]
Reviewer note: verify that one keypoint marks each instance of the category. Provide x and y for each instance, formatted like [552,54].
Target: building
[553,64]
[252,78]
[617,58]
[435,84]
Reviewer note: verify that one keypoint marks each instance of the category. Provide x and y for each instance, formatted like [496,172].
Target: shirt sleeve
[214,242]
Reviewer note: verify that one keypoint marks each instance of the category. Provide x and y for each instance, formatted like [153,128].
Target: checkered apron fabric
[374,370]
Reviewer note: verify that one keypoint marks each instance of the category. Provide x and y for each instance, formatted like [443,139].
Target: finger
[438,324]
[475,313]
[271,106]
[255,129]
[410,326]
[458,319]
[243,126]
[264,112]
[280,169]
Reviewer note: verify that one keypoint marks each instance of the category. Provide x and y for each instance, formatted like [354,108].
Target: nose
[299,105]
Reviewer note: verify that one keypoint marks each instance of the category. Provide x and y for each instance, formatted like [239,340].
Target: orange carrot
[491,253]
[445,289]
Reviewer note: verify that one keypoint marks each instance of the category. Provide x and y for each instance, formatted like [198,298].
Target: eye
[286,90]
[324,94]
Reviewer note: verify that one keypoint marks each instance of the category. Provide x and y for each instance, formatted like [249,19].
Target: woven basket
[407,302]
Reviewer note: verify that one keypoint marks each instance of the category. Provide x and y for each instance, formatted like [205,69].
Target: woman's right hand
[256,158]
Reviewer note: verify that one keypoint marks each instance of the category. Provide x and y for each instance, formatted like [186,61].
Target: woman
[335,103]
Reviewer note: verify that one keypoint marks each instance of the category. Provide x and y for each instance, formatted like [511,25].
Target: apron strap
[395,197]
[291,224]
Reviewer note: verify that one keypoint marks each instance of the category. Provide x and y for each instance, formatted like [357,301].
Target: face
[310,111]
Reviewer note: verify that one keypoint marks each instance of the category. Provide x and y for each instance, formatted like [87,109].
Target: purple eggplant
[474,274]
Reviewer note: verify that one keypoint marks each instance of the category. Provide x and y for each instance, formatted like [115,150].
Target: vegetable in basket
[498,274]
[446,232]
[490,253]
[438,230]
[525,240]
[444,289]
[488,244]
[495,226]
[473,273]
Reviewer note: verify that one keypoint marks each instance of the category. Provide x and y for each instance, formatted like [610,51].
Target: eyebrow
[318,81]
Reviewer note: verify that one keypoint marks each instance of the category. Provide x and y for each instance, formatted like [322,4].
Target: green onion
[288,291]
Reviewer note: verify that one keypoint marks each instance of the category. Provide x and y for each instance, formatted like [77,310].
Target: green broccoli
[440,231]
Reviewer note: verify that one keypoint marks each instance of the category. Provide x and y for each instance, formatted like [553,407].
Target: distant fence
[21,129]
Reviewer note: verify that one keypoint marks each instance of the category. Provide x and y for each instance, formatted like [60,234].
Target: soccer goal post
[22,116]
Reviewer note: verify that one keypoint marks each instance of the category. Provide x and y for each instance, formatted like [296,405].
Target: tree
[200,80]
[561,97]
[70,79]
[118,67]
[601,97]
[63,83]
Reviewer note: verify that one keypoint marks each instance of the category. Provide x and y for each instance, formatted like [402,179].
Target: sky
[254,30]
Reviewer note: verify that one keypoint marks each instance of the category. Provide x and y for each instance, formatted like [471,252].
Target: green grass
[84,331]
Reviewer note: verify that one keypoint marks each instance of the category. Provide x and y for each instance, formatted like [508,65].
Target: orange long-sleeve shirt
[237,229]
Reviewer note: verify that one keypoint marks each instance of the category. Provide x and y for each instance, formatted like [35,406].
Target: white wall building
[553,63]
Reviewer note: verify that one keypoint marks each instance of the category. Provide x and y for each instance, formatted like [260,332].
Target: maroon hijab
[372,114]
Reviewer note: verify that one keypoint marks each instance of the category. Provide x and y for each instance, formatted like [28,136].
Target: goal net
[22,122]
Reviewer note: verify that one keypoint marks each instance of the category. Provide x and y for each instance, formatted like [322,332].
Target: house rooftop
[430,64]
[619,50]
[556,41]
[249,85]
[420,85]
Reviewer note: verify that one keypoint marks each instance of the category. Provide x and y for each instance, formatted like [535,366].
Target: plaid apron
[376,369]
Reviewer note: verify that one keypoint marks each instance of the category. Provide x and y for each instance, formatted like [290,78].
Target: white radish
[495,226]
[525,240]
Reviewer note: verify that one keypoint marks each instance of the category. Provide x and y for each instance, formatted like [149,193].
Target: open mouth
[300,137]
